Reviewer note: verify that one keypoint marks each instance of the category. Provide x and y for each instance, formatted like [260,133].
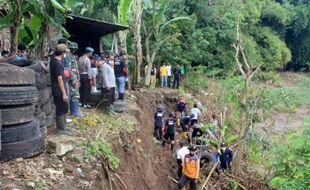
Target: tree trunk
[39,51]
[149,62]
[137,35]
[14,28]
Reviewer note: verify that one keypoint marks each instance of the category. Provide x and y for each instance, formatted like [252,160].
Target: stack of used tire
[45,109]
[20,134]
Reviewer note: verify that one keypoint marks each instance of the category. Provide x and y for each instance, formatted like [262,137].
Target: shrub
[290,161]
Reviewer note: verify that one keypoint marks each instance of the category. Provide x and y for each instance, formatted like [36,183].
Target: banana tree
[29,20]
[155,30]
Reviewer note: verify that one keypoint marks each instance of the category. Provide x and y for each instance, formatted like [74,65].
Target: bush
[290,161]
[270,77]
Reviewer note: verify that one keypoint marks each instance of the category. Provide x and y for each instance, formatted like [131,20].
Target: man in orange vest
[191,169]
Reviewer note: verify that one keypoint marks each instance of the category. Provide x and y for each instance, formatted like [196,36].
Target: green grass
[288,99]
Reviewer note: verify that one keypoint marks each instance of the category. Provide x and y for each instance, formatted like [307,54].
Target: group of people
[74,78]
[169,77]
[189,162]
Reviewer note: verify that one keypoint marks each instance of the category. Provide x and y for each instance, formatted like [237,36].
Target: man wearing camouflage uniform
[74,82]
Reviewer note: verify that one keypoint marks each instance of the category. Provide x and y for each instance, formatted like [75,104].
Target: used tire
[44,95]
[16,76]
[17,115]
[50,120]
[47,108]
[48,79]
[23,149]
[42,118]
[18,95]
[36,67]
[20,63]
[41,81]
[20,132]
[0,133]
[43,131]
[95,96]
[120,106]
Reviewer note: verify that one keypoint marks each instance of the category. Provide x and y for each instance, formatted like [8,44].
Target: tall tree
[137,8]
[154,31]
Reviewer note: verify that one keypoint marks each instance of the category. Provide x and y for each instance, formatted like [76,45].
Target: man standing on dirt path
[169,75]
[58,89]
[158,123]
[182,72]
[153,76]
[108,85]
[181,153]
[190,172]
[163,75]
[169,131]
[120,70]
[74,82]
[85,77]
[177,77]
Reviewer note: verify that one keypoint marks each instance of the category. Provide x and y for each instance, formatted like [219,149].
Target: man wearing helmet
[159,120]
[169,132]
[225,156]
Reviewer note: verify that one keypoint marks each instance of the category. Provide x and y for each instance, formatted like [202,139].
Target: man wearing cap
[85,76]
[181,153]
[225,156]
[58,88]
[190,172]
[108,84]
[74,82]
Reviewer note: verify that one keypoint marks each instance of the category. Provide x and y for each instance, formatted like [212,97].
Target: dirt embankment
[146,166]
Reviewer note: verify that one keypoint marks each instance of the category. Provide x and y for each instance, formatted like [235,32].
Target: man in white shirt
[169,74]
[108,85]
[196,113]
[181,153]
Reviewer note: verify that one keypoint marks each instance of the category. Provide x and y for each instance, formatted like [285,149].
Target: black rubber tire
[20,63]
[23,149]
[120,106]
[17,115]
[43,131]
[21,132]
[41,81]
[95,97]
[16,76]
[50,120]
[44,95]
[42,118]
[0,133]
[37,110]
[18,95]
[48,79]
[36,67]
[47,108]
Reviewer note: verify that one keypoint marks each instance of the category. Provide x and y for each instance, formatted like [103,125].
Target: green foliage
[100,146]
[42,13]
[270,78]
[290,160]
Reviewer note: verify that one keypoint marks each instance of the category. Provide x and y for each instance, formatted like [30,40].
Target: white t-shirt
[169,70]
[181,153]
[196,112]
